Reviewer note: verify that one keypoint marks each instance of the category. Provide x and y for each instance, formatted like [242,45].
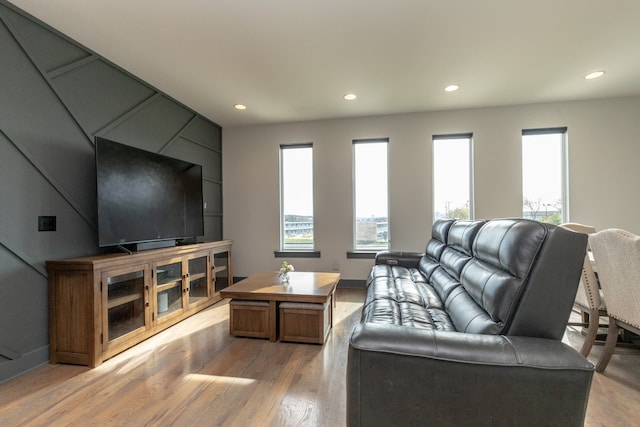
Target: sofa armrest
[403,259]
[411,376]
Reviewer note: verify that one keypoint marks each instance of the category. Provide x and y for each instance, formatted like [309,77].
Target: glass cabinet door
[169,278]
[126,301]
[221,262]
[198,280]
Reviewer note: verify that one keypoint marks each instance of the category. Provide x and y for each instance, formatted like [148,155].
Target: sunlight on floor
[219,379]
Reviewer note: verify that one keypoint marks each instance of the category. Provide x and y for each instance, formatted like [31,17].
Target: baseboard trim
[29,361]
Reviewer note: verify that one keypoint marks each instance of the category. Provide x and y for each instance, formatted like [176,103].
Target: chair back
[580,228]
[617,259]
[588,295]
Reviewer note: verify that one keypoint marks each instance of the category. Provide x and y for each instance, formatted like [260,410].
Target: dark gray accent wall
[55,97]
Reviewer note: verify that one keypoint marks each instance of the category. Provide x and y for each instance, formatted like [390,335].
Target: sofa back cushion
[445,277]
[504,252]
[510,245]
[507,276]
[436,245]
[438,241]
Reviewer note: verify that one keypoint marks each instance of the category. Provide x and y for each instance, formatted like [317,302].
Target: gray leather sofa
[469,332]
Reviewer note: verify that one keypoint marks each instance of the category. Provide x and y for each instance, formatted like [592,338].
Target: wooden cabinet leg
[273,321]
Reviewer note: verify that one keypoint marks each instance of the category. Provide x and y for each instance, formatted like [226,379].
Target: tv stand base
[101,305]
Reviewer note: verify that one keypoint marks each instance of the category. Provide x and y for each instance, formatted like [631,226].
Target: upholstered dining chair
[617,257]
[589,299]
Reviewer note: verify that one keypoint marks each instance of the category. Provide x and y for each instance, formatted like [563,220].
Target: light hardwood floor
[196,374]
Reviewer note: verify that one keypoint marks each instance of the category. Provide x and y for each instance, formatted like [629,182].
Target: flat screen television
[146,200]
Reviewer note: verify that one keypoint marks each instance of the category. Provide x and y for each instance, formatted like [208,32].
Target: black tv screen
[146,197]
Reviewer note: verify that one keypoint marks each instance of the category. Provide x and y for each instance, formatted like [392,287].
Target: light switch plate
[46,223]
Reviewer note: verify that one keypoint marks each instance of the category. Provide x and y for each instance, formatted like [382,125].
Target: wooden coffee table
[263,291]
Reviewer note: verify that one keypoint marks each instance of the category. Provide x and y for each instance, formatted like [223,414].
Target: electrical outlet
[46,223]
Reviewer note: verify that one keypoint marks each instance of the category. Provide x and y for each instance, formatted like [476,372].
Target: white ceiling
[292,60]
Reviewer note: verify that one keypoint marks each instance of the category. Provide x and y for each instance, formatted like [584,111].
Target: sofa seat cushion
[387,311]
[401,296]
[396,272]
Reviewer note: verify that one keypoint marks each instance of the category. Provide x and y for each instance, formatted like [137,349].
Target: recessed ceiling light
[594,75]
[240,107]
[350,96]
[451,88]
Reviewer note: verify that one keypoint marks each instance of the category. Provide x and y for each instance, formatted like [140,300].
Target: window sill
[296,254]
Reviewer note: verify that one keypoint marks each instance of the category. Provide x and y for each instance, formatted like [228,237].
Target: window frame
[471,181]
[358,251]
[284,251]
[564,162]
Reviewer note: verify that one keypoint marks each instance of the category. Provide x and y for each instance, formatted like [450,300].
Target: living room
[53,162]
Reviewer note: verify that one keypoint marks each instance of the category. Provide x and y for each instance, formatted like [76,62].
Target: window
[452,176]
[544,175]
[371,206]
[296,197]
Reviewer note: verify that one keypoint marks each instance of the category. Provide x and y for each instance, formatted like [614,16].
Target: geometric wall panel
[55,97]
[213,197]
[204,132]
[48,49]
[216,173]
[143,129]
[13,315]
[97,93]
[186,150]
[213,227]
[32,116]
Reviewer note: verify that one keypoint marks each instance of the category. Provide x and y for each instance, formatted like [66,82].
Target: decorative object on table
[284,272]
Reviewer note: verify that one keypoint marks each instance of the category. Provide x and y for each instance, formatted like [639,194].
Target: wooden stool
[249,318]
[305,322]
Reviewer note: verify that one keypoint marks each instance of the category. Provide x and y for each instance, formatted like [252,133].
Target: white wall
[604,174]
